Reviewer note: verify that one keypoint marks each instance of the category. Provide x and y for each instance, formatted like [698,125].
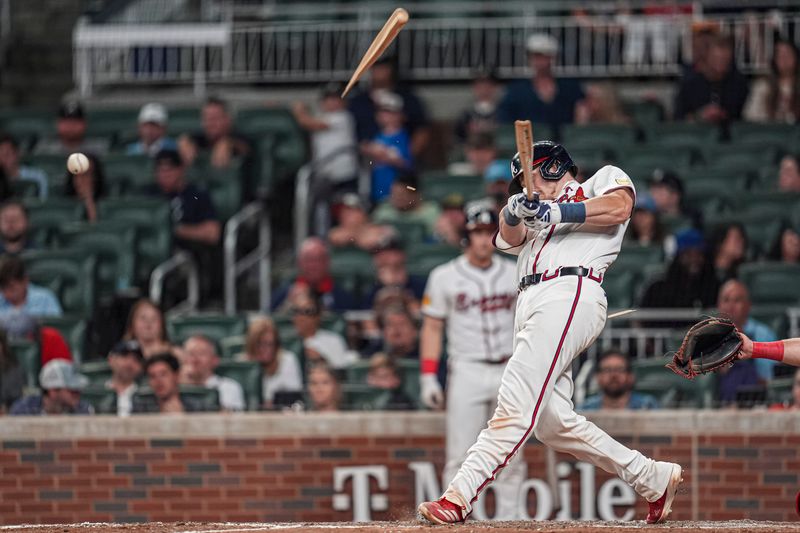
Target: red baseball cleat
[441,512]
[660,509]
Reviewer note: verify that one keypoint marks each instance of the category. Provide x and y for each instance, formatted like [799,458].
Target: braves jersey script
[573,244]
[478,305]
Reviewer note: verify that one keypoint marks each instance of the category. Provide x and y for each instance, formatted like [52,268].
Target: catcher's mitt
[708,346]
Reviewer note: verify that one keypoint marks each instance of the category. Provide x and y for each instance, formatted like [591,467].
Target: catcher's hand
[709,345]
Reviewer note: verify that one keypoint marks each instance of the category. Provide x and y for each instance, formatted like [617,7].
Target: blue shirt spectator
[19,295]
[616,380]
[390,150]
[636,401]
[383,174]
[13,170]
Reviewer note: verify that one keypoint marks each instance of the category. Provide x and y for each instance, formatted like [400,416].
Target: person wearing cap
[200,360]
[405,204]
[163,376]
[363,105]
[13,170]
[306,312]
[127,364]
[354,227]
[543,99]
[195,225]
[481,115]
[152,128]
[389,263]
[71,137]
[19,295]
[61,386]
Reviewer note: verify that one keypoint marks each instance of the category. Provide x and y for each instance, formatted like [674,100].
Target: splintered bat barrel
[524,136]
[384,38]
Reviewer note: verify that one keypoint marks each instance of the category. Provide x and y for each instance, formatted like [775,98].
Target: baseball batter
[473,296]
[564,245]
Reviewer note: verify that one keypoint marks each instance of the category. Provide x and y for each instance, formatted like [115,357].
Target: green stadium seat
[128,173]
[73,328]
[772,282]
[182,121]
[28,126]
[288,148]
[46,218]
[603,136]
[619,286]
[110,123]
[764,134]
[98,372]
[213,326]
[362,397]
[55,166]
[506,140]
[152,218]
[114,245]
[779,390]
[352,261]
[410,231]
[425,257]
[223,185]
[653,157]
[437,186]
[635,256]
[248,374]
[25,189]
[103,400]
[644,113]
[27,354]
[736,160]
[773,315]
[208,398]
[71,274]
[231,346]
[671,389]
[681,135]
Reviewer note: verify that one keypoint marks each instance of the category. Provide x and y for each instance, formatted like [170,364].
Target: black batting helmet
[480,214]
[552,159]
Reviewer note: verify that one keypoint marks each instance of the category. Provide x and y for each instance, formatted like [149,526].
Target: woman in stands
[729,250]
[776,98]
[281,367]
[88,187]
[786,248]
[324,391]
[146,324]
[12,378]
[646,228]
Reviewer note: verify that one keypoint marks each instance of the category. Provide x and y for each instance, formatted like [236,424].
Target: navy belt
[534,279]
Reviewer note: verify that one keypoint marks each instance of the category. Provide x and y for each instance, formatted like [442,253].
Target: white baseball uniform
[478,307]
[555,321]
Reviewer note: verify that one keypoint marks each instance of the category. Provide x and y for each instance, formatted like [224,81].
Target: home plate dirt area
[737,526]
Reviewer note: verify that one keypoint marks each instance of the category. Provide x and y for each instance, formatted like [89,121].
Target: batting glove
[549,213]
[519,206]
[431,392]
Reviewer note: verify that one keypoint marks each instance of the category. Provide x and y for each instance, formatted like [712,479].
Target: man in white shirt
[201,359]
[127,363]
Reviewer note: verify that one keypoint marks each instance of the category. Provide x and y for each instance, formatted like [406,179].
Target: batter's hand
[519,206]
[547,215]
[431,392]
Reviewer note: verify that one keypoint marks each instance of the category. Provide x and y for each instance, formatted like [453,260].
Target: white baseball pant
[472,388]
[555,321]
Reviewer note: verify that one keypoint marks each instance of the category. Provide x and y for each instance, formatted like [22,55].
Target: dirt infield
[738,526]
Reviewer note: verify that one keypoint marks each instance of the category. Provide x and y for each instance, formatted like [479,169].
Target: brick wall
[253,467]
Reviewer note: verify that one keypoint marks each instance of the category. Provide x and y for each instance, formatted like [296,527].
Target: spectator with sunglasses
[318,344]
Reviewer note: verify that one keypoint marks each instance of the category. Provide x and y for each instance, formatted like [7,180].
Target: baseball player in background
[564,244]
[473,296]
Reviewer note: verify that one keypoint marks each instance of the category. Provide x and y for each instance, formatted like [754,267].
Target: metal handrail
[260,256]
[180,260]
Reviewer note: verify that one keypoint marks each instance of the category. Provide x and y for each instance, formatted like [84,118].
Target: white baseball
[77,163]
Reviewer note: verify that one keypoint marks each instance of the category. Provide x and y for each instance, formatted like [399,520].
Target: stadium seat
[98,372]
[737,160]
[423,258]
[208,398]
[71,274]
[73,328]
[185,120]
[55,166]
[25,189]
[635,256]
[603,136]
[681,135]
[653,157]
[772,282]
[779,390]
[248,374]
[114,245]
[127,174]
[214,326]
[437,186]
[232,346]
[773,315]
[103,400]
[46,218]
[619,286]
[288,148]
[28,126]
[111,122]
[362,397]
[352,261]
[27,354]
[761,134]
[410,231]
[224,185]
[644,112]
[671,389]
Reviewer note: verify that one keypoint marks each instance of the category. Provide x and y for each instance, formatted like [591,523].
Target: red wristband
[768,350]
[429,366]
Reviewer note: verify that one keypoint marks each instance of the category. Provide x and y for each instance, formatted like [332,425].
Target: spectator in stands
[364,103]
[152,127]
[716,94]
[281,368]
[384,374]
[19,295]
[13,170]
[87,187]
[776,98]
[480,152]
[645,227]
[200,360]
[196,227]
[12,377]
[450,224]
[789,174]
[389,262]
[690,280]
[127,363]
[389,152]
[400,333]
[405,204]
[217,139]
[51,343]
[318,344]
[497,178]
[61,386]
[666,189]
[794,401]
[355,227]
[481,115]
[71,134]
[616,381]
[600,106]
[313,272]
[163,374]
[146,325]
[734,302]
[324,390]
[729,250]
[14,226]
[543,99]
[787,246]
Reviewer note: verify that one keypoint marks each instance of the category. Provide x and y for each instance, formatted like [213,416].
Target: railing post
[264,265]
